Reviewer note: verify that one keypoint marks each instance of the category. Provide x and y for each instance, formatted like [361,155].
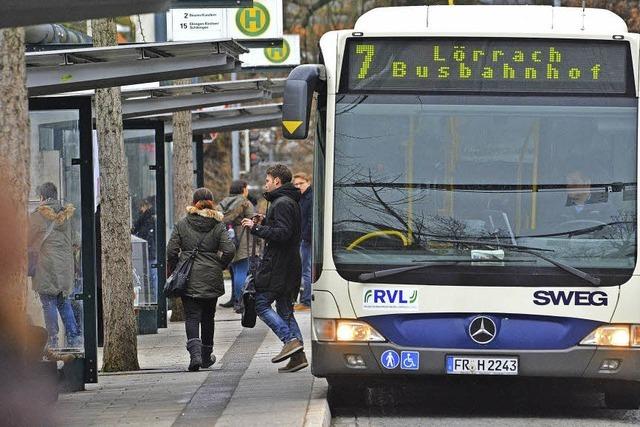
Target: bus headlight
[610,336]
[353,330]
[345,330]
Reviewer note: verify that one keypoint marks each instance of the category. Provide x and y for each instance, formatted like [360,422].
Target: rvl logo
[391,298]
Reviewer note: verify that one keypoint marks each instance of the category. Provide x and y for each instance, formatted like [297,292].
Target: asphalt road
[478,403]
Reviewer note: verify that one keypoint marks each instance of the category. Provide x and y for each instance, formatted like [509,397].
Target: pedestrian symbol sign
[253,21]
[410,360]
[390,359]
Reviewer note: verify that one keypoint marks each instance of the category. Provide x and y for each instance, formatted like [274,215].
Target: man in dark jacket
[278,277]
[302,182]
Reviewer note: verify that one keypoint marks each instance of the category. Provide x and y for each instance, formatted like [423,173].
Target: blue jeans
[240,269]
[305,254]
[281,321]
[51,306]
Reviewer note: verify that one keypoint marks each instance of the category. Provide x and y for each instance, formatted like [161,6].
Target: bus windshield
[416,176]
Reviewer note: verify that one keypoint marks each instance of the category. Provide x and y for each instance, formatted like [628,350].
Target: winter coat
[280,270]
[306,209]
[216,251]
[235,208]
[55,268]
[145,228]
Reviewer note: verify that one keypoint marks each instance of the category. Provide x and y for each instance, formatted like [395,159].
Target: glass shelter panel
[55,229]
[141,155]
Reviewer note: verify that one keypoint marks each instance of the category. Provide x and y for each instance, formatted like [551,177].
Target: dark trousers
[199,314]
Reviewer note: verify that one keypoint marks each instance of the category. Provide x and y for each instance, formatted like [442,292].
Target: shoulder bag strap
[46,234]
[197,249]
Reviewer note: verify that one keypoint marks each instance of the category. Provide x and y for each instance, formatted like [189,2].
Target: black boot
[194,347]
[227,304]
[208,359]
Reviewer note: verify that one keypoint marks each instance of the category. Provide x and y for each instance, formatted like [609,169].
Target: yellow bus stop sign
[291,125]
[278,55]
[253,21]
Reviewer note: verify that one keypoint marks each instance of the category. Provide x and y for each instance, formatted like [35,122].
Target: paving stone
[244,388]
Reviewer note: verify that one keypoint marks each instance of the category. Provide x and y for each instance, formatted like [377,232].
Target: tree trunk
[120,331]
[217,166]
[14,166]
[182,177]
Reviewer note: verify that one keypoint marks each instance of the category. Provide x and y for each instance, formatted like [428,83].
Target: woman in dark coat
[201,224]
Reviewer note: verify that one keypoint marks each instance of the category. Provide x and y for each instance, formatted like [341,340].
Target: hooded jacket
[55,267]
[280,270]
[235,208]
[215,253]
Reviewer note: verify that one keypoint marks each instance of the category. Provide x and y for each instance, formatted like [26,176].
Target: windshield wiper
[364,277]
[427,264]
[528,250]
[578,231]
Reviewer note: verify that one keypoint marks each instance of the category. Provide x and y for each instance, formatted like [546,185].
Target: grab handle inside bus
[302,82]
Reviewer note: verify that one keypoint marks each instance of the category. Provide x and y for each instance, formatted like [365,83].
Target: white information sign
[198,24]
[260,22]
[287,55]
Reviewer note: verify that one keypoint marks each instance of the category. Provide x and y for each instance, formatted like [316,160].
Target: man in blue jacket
[302,182]
[278,277]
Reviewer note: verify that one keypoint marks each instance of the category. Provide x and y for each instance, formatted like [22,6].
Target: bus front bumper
[331,359]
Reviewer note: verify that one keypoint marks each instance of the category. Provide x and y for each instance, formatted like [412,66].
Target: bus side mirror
[302,82]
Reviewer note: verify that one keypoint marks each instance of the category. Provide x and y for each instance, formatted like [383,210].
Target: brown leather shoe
[288,349]
[296,362]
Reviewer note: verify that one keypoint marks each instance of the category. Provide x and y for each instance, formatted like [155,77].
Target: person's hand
[248,223]
[257,218]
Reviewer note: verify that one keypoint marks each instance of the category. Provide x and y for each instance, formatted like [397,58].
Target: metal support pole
[235,148]
[247,152]
[235,154]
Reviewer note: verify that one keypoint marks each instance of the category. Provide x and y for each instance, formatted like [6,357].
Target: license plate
[475,365]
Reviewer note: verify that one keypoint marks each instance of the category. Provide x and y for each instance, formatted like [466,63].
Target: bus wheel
[622,397]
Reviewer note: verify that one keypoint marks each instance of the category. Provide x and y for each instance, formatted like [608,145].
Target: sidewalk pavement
[242,388]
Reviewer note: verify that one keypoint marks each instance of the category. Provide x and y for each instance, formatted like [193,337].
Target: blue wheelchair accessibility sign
[410,360]
[390,359]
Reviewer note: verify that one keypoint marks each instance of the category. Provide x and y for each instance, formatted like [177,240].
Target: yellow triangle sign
[291,125]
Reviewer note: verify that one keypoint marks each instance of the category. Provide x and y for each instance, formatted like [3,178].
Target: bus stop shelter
[69,70]
[230,119]
[166,99]
[63,146]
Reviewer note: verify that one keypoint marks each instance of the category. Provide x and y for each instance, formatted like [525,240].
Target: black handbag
[176,284]
[249,313]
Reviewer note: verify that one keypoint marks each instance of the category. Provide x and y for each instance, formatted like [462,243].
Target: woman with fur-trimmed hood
[201,224]
[51,237]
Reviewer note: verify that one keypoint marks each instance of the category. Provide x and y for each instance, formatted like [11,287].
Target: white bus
[476,196]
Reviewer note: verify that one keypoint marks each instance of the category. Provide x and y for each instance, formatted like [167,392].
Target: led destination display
[488,65]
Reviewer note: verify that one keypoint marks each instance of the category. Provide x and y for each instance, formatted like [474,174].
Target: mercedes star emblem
[482,330]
